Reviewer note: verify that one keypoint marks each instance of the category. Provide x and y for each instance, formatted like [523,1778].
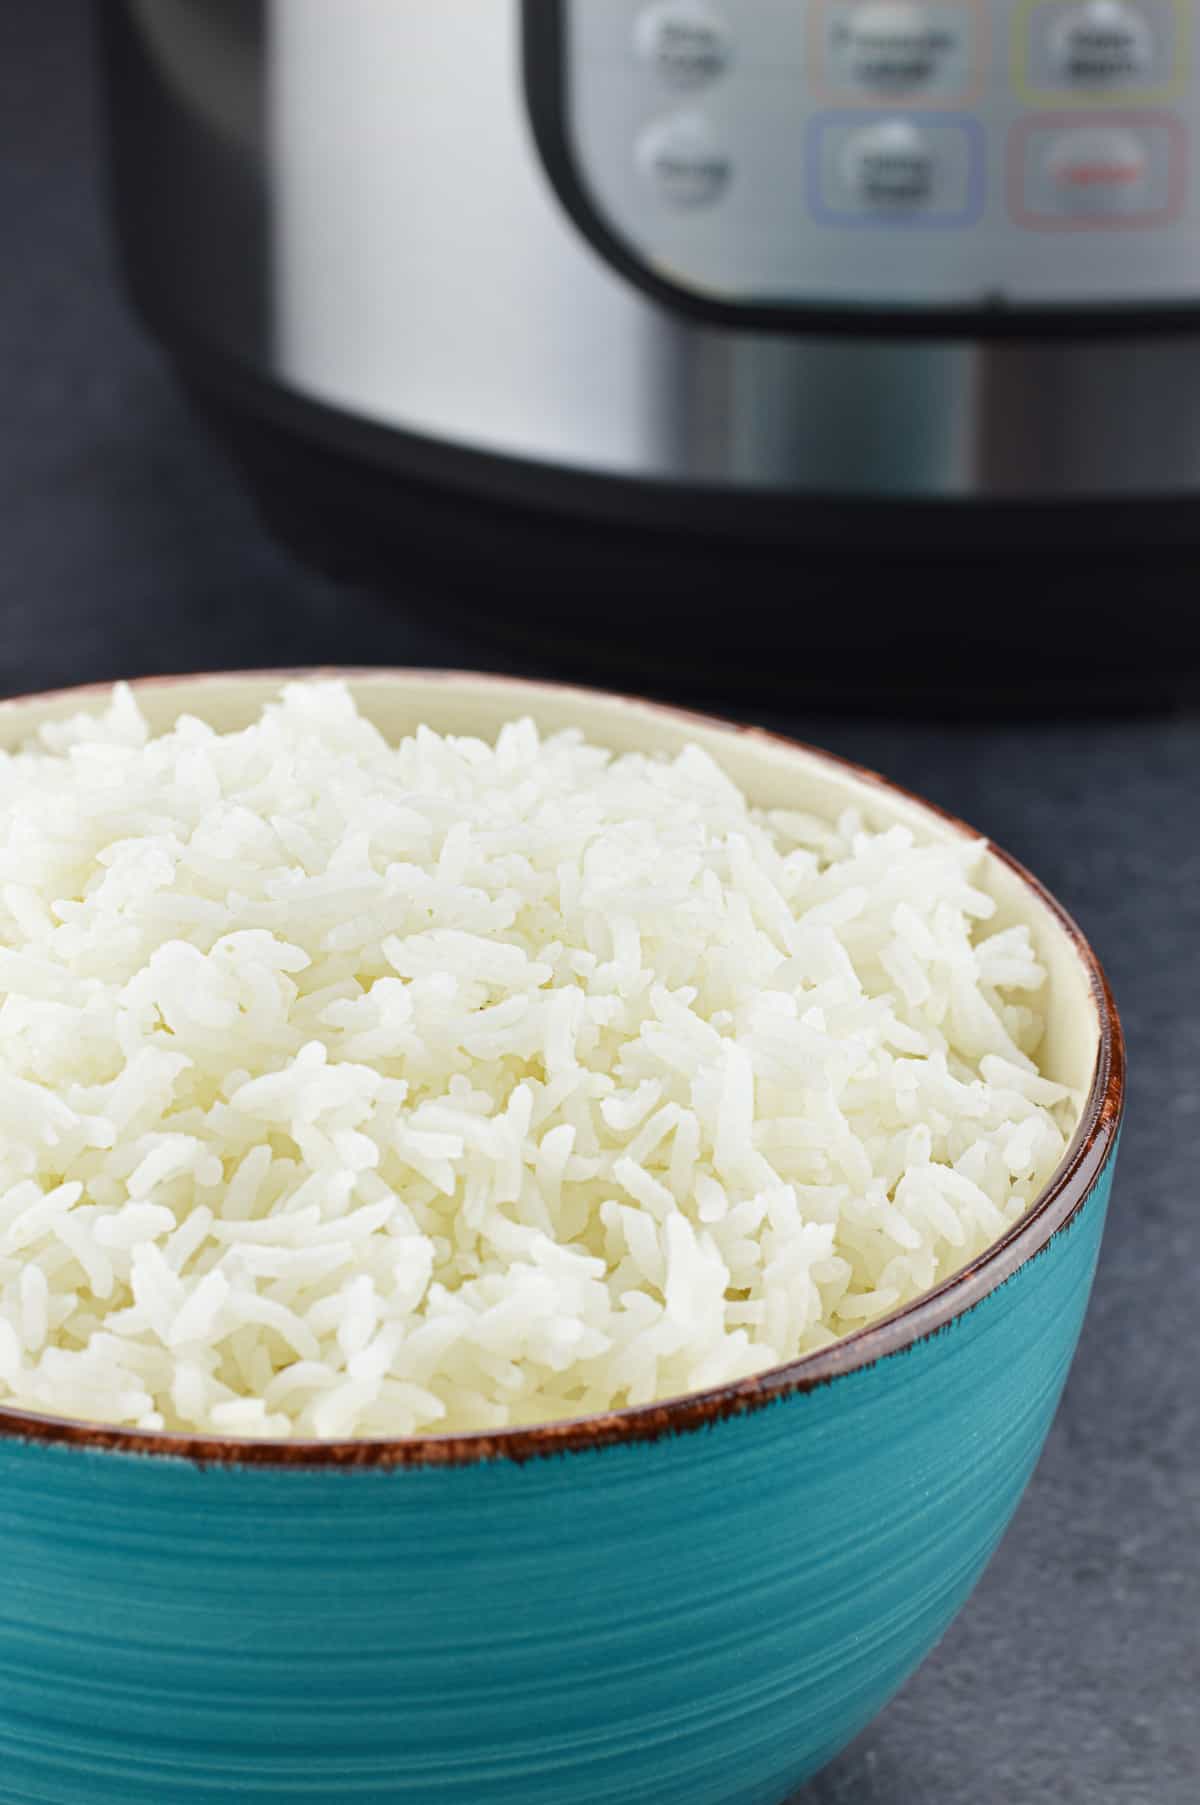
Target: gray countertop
[126,546]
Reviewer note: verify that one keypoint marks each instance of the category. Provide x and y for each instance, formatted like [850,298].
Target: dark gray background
[126,546]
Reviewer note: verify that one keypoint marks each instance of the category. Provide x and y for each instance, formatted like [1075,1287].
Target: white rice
[350,1089]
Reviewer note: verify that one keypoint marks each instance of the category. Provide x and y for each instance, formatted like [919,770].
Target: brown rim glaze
[1090,1150]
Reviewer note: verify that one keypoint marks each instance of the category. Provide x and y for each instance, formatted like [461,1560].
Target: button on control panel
[1069,173]
[686,42]
[891,167]
[1088,53]
[778,153]
[897,170]
[1096,170]
[1102,43]
[685,161]
[871,50]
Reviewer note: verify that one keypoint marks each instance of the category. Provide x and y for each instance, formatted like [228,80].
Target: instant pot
[852,342]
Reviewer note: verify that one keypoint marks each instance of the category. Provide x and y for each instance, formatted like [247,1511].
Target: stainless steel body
[349,202]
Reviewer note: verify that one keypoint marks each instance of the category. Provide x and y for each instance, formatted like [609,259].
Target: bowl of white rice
[540,1239]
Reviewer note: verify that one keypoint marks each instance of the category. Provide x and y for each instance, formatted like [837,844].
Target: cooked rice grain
[354,1089]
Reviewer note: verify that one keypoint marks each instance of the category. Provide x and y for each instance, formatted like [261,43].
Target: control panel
[884,154]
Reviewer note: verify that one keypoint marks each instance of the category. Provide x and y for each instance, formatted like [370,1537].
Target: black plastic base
[954,607]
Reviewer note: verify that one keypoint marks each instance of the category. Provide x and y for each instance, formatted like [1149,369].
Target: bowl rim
[1068,1190]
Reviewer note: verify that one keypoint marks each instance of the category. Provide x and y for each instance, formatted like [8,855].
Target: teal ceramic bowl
[694,1603]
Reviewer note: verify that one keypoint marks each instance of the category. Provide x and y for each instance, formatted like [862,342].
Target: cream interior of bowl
[772,773]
